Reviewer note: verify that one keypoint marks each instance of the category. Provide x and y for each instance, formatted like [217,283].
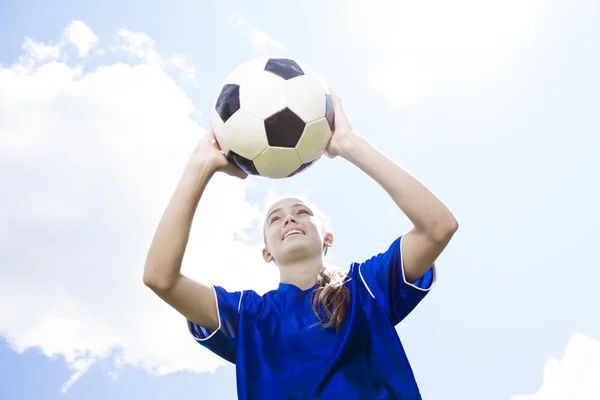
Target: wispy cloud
[76,33]
[81,36]
[259,39]
[142,46]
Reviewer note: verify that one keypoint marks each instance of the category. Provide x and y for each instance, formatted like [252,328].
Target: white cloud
[41,51]
[88,162]
[138,44]
[575,377]
[76,33]
[142,46]
[422,40]
[259,39]
[81,36]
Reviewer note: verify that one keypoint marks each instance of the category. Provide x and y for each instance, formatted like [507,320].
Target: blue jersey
[279,353]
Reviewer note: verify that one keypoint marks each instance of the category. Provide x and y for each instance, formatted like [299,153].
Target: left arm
[434,224]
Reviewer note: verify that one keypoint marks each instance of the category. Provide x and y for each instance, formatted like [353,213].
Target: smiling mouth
[291,233]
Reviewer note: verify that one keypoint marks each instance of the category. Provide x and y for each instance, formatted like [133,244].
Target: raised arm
[162,271]
[434,224]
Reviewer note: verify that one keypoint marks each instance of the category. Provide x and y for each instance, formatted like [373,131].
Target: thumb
[234,170]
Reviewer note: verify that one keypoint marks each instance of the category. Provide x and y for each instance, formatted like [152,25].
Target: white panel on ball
[306,97]
[252,142]
[241,73]
[314,140]
[311,72]
[263,95]
[277,162]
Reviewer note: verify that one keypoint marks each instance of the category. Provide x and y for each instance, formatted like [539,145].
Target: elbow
[450,226]
[150,281]
[444,228]
[156,282]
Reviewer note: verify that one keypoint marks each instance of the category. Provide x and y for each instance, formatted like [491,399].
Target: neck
[302,273]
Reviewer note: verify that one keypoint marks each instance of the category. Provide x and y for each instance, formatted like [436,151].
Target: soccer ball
[273,117]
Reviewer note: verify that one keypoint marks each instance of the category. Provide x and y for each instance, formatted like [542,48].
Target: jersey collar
[291,288]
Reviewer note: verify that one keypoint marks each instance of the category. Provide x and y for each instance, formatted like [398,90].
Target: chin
[299,248]
[296,246]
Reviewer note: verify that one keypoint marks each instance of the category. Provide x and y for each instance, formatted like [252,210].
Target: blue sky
[494,105]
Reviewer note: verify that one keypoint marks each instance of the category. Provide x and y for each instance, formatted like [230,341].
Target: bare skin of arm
[433,223]
[195,300]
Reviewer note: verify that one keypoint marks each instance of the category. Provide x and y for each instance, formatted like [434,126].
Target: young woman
[322,334]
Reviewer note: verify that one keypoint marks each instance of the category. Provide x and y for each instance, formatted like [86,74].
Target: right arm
[195,300]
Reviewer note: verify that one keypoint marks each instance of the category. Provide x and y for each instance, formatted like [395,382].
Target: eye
[273,219]
[303,212]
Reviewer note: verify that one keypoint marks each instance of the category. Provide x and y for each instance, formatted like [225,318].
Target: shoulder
[390,252]
[253,302]
[357,281]
[378,262]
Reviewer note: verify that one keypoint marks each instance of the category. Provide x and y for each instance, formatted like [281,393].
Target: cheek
[316,230]
[272,237]
[318,225]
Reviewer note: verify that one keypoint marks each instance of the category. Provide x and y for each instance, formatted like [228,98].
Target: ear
[266,255]
[328,241]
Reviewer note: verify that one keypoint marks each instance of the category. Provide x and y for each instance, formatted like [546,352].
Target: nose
[288,219]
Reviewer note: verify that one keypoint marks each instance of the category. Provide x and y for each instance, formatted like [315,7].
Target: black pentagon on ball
[329,112]
[302,167]
[243,163]
[284,128]
[284,68]
[228,101]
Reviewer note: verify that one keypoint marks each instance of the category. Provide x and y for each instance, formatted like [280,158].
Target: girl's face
[293,232]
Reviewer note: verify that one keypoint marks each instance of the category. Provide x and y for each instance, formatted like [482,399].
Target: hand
[343,130]
[209,153]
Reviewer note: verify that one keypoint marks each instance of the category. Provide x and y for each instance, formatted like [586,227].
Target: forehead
[286,204]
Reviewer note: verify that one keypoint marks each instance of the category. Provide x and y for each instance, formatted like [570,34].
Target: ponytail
[332,297]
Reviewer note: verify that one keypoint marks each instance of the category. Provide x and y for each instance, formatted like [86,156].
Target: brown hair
[331,297]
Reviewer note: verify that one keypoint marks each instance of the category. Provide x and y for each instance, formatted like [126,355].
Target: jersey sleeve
[221,341]
[383,275]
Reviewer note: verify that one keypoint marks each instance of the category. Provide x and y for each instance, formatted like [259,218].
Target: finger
[211,130]
[333,92]
[212,137]
[335,97]
[215,143]
[208,137]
